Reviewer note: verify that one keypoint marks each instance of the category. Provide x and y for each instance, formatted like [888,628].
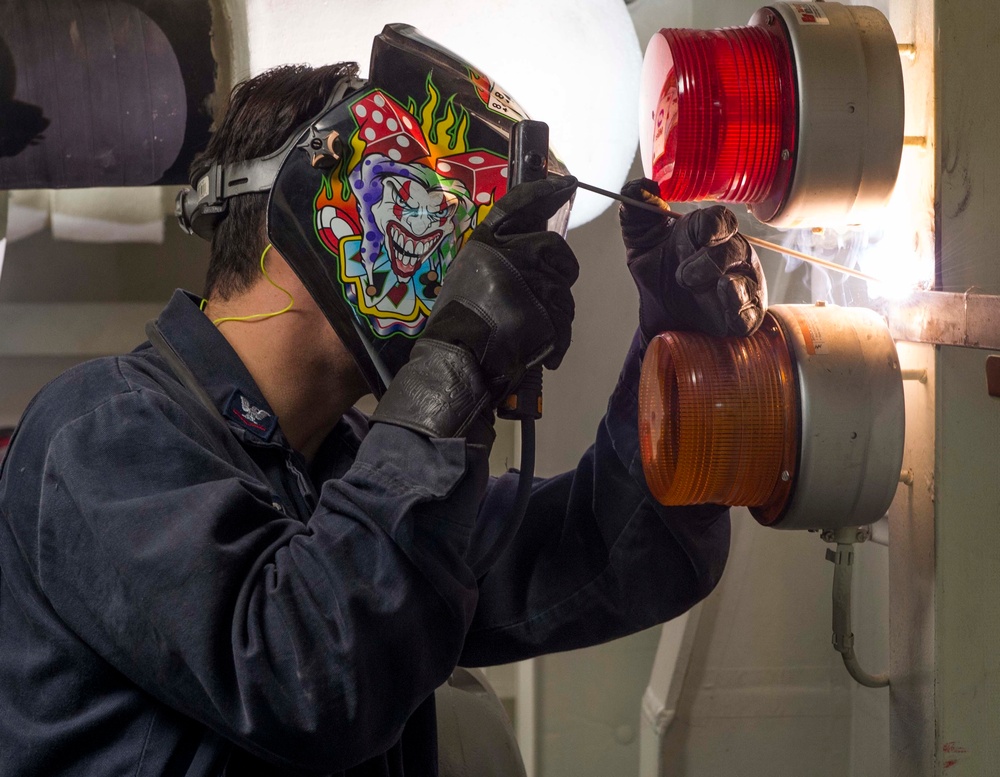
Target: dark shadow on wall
[21,124]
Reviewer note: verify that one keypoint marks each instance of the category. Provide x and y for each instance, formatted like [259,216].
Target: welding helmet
[371,200]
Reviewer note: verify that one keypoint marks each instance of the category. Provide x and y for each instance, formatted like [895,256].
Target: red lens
[723,112]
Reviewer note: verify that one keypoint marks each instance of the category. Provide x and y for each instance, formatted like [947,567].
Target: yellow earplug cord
[259,316]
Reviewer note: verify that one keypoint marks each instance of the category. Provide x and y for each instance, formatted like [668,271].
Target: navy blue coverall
[185,595]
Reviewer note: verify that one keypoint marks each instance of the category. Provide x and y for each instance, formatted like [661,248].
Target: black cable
[527,474]
[528,161]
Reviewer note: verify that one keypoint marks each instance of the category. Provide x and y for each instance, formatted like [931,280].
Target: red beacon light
[799,114]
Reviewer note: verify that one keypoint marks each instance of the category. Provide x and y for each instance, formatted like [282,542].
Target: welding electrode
[657,205]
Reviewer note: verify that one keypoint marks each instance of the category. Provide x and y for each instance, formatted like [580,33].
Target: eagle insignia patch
[255,420]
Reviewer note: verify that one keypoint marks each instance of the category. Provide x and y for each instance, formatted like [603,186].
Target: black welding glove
[505,305]
[695,273]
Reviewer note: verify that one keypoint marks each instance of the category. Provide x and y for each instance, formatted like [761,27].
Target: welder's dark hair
[262,113]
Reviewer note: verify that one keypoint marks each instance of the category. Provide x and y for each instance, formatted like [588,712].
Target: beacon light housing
[799,114]
[802,422]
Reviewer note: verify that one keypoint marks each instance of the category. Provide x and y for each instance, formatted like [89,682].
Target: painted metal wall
[63,302]
[764,693]
[911,586]
[967,560]
[967,567]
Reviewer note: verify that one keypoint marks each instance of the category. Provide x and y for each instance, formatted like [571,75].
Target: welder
[211,563]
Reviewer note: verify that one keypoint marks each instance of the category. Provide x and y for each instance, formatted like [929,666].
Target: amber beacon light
[799,114]
[801,422]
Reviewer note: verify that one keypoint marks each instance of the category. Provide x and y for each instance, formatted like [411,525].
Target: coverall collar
[218,369]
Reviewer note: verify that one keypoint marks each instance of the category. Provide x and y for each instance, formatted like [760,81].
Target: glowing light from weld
[898,261]
[904,257]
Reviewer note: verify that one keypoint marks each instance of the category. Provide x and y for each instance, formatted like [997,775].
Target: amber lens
[718,419]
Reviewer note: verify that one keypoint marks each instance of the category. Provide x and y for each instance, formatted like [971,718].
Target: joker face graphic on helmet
[397,212]
[415,217]
[412,217]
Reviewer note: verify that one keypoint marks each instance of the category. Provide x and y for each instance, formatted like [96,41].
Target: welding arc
[662,208]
